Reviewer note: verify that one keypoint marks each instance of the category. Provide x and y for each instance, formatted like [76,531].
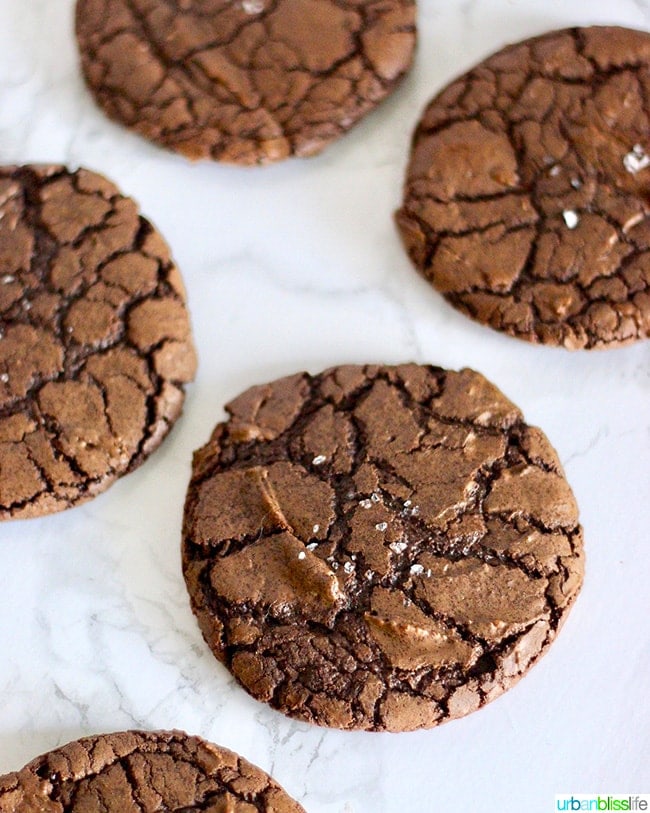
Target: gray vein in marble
[602,433]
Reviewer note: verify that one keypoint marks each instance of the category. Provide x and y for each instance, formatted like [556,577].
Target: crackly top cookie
[95,343]
[527,197]
[243,81]
[142,772]
[379,547]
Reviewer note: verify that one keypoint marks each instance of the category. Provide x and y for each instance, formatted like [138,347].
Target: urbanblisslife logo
[602,801]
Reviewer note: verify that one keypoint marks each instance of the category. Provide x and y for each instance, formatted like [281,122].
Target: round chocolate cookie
[380,548]
[142,772]
[95,343]
[243,81]
[527,197]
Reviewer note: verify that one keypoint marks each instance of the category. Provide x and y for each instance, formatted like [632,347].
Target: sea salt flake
[416,570]
[312,546]
[554,171]
[4,378]
[316,529]
[374,497]
[415,511]
[253,6]
[365,503]
[7,279]
[381,526]
[407,503]
[348,567]
[369,574]
[319,460]
[636,159]
[302,554]
[398,547]
[576,183]
[570,218]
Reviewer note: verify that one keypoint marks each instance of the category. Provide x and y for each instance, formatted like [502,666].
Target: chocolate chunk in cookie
[381,548]
[243,81]
[138,772]
[95,344]
[527,197]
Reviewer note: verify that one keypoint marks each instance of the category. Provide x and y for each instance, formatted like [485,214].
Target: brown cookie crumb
[380,548]
[527,197]
[142,772]
[243,81]
[95,344]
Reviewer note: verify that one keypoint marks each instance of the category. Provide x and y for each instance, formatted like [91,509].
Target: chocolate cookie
[143,772]
[243,81]
[527,198]
[95,342]
[382,548]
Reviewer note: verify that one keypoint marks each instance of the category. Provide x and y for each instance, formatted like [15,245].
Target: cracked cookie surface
[380,548]
[527,196]
[243,81]
[95,344]
[143,772]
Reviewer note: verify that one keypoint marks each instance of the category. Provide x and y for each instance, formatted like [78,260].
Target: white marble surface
[299,266]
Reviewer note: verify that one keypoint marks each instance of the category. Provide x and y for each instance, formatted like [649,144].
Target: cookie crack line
[399,545]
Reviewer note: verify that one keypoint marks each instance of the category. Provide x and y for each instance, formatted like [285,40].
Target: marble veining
[298,266]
